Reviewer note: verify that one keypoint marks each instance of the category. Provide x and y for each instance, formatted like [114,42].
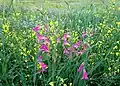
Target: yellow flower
[109,31]
[118,23]
[5,28]
[70,84]
[116,47]
[51,83]
[118,42]
[118,8]
[64,85]
[113,0]
[39,66]
[117,53]
[32,58]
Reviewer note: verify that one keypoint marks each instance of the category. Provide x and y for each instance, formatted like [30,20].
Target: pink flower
[44,48]
[77,44]
[58,40]
[65,51]
[85,77]
[70,48]
[43,66]
[81,67]
[40,58]
[36,28]
[84,34]
[66,35]
[65,42]
[40,37]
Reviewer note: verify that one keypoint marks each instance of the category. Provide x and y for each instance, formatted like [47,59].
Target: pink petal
[43,65]
[70,48]
[58,40]
[65,42]
[44,48]
[36,28]
[41,37]
[42,70]
[66,51]
[81,67]
[77,44]
[85,77]
[66,35]
[84,34]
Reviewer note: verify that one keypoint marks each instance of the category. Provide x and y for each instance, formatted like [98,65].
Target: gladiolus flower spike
[85,77]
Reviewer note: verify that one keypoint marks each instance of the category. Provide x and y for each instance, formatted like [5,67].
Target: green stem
[34,78]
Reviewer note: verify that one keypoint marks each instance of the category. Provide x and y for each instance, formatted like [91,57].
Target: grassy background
[55,3]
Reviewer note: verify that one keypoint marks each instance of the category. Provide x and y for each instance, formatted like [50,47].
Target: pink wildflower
[70,48]
[81,67]
[43,66]
[85,77]
[66,35]
[65,51]
[44,48]
[41,37]
[84,34]
[77,44]
[36,28]
[58,40]
[65,42]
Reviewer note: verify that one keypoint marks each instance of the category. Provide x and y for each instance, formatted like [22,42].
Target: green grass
[19,49]
[54,3]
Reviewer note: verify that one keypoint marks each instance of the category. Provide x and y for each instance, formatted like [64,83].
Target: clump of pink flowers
[77,48]
[74,48]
